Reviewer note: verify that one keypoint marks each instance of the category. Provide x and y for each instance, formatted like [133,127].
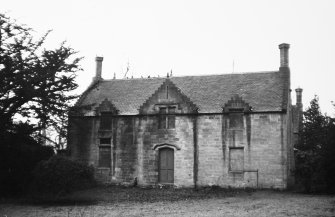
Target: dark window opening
[167,118]
[105,141]
[236,120]
[105,122]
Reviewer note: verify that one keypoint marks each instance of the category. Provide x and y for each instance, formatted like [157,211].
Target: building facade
[228,130]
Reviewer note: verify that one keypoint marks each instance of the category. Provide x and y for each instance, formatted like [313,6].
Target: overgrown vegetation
[19,154]
[35,86]
[61,175]
[315,155]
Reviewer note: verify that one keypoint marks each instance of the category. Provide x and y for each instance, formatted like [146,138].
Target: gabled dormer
[106,110]
[235,108]
[106,106]
[236,104]
[168,97]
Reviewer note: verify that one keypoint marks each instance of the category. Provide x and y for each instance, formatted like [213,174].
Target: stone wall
[236,150]
[260,141]
[82,133]
[180,139]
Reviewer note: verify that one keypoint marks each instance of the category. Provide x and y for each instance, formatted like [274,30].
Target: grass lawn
[121,201]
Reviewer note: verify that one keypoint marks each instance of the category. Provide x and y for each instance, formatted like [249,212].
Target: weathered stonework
[135,156]
[232,136]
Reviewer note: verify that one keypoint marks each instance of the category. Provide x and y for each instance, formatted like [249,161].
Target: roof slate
[264,91]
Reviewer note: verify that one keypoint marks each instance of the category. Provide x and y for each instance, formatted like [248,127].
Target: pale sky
[192,37]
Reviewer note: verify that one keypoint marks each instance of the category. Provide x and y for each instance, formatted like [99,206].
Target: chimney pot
[98,69]
[284,54]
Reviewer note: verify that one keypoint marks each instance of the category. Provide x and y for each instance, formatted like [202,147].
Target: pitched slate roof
[264,91]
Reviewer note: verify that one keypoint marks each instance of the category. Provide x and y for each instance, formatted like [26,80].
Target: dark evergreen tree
[35,82]
[315,150]
[35,86]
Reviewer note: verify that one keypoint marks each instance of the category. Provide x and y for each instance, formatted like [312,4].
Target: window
[167,118]
[105,141]
[105,122]
[236,159]
[236,120]
[105,152]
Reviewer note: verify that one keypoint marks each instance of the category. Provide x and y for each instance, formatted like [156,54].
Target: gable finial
[167,75]
[171,73]
[114,76]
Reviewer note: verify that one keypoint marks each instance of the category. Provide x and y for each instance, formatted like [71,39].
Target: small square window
[167,118]
[236,120]
[104,141]
[105,122]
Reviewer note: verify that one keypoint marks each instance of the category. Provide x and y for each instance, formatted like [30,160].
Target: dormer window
[167,117]
[236,120]
[236,107]
[106,121]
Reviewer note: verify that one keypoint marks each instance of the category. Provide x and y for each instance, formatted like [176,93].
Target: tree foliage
[35,82]
[35,86]
[315,164]
[19,154]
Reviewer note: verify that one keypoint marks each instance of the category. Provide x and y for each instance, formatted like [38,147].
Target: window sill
[171,129]
[236,171]
[103,168]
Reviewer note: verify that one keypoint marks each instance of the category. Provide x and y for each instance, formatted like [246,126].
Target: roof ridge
[183,76]
[235,73]
[131,79]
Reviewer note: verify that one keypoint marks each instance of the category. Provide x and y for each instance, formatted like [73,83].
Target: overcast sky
[192,37]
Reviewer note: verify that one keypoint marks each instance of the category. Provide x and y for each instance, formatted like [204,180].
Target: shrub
[61,175]
[19,155]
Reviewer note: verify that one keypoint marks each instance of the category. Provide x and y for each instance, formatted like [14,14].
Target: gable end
[168,94]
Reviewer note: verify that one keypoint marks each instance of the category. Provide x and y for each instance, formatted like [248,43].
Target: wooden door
[166,165]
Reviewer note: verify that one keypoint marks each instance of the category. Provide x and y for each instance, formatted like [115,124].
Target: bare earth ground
[116,201]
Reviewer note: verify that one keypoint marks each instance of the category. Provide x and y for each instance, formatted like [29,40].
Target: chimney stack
[299,108]
[299,96]
[98,69]
[284,54]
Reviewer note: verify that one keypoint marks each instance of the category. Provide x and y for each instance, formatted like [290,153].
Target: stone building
[232,130]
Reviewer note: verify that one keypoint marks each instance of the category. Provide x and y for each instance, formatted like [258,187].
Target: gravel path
[261,203]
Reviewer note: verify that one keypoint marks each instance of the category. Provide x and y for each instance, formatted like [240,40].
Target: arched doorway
[166,165]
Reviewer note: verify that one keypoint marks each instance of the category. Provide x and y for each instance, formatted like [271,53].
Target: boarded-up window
[167,118]
[105,122]
[105,152]
[236,159]
[236,120]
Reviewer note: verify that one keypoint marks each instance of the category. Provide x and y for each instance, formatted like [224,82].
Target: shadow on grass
[113,194]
